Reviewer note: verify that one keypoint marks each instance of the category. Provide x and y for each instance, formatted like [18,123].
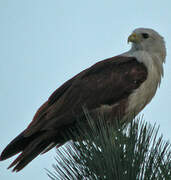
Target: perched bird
[117,86]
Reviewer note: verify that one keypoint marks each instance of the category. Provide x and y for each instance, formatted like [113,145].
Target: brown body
[106,84]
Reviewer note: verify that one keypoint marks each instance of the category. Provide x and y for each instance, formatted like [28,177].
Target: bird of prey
[117,86]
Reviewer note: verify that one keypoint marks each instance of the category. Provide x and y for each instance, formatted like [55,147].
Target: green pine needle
[102,151]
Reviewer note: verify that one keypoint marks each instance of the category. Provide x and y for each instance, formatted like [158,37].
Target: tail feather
[17,145]
[30,147]
[48,148]
[32,151]
[14,147]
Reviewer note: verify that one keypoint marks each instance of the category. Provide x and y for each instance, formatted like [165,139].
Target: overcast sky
[44,43]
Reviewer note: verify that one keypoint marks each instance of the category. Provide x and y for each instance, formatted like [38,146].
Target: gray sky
[44,43]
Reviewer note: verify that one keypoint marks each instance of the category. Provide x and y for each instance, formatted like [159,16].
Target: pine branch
[132,152]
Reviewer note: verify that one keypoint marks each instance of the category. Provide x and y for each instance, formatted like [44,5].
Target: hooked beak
[135,38]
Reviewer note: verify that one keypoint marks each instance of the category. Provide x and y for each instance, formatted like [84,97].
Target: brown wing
[106,82]
[42,111]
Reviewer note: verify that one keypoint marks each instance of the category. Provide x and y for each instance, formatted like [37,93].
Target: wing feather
[106,82]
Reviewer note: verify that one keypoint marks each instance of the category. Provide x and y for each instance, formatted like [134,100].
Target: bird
[117,86]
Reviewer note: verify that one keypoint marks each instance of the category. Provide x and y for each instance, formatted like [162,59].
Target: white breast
[143,95]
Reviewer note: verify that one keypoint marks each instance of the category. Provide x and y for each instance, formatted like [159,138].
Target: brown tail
[30,147]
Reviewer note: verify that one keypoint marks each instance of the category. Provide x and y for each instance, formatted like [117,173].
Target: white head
[144,39]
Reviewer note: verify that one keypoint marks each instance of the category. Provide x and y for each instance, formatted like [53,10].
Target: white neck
[143,95]
[152,61]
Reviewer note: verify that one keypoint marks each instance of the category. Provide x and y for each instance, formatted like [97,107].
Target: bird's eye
[145,35]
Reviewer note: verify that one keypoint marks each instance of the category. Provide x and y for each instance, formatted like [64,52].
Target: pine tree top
[130,152]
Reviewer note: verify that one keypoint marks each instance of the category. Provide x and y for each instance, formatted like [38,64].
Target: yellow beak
[134,38]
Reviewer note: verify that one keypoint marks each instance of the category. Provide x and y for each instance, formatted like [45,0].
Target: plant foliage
[102,151]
